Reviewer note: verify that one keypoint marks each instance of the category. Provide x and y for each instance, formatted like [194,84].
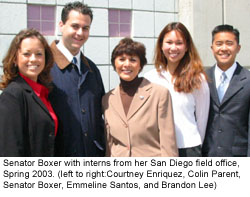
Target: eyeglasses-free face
[127,67]
[31,58]
[173,47]
[225,49]
[75,31]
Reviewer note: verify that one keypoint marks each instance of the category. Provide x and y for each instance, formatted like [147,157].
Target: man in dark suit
[227,133]
[78,86]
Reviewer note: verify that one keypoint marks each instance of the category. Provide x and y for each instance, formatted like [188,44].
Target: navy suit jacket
[76,100]
[227,131]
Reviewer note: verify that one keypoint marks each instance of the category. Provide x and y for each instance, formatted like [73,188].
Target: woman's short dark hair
[129,47]
[10,68]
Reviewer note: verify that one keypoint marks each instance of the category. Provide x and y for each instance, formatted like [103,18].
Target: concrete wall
[148,18]
[202,16]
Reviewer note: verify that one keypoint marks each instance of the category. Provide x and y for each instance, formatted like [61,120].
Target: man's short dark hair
[77,6]
[226,28]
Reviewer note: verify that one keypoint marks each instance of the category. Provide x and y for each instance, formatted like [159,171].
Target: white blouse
[190,109]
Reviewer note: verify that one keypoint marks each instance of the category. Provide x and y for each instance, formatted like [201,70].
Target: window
[119,23]
[42,18]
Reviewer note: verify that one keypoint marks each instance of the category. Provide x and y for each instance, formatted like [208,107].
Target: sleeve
[106,129]
[202,103]
[166,125]
[12,139]
[108,140]
[100,135]
[248,150]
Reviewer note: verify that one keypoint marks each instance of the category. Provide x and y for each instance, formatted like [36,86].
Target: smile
[127,71]
[32,67]
[224,55]
[173,55]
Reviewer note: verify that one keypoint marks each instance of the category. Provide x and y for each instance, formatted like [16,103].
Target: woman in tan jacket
[138,114]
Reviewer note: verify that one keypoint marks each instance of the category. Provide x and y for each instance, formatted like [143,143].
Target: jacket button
[125,125]
[83,111]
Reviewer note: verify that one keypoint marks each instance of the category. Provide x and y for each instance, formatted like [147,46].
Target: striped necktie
[221,88]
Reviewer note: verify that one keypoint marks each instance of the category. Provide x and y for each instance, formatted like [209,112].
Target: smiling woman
[178,67]
[138,114]
[31,58]
[29,126]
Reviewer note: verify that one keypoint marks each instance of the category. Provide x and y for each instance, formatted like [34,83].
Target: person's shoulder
[92,65]
[13,90]
[106,96]
[245,70]
[151,73]
[156,88]
[159,87]
[90,62]
[209,70]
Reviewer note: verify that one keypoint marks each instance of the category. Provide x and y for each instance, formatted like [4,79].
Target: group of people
[54,104]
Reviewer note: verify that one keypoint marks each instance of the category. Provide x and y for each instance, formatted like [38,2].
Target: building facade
[140,19]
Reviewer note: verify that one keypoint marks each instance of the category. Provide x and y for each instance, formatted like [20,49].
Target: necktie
[221,88]
[74,61]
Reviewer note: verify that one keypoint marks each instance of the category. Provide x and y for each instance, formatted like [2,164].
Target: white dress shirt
[190,109]
[68,55]
[229,73]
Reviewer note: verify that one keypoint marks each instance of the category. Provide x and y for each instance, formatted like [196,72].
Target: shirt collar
[60,59]
[67,53]
[229,72]
[39,89]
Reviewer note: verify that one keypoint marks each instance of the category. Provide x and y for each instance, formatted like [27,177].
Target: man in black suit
[227,133]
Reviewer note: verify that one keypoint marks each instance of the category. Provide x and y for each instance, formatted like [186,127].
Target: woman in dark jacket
[28,124]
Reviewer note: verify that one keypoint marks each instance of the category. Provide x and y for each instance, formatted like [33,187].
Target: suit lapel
[28,89]
[140,97]
[212,86]
[115,101]
[39,102]
[235,84]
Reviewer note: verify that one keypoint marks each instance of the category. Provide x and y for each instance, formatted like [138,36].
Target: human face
[174,47]
[225,49]
[31,58]
[127,66]
[75,31]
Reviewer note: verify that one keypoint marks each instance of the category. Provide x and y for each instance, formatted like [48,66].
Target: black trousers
[190,152]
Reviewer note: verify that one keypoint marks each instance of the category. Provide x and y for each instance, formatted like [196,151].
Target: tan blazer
[148,128]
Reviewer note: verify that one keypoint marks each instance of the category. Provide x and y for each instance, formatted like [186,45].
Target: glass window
[119,23]
[42,18]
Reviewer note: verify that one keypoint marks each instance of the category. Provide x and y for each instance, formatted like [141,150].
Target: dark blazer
[227,131]
[76,100]
[26,127]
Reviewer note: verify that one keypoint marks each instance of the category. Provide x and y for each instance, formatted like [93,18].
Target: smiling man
[227,133]
[78,87]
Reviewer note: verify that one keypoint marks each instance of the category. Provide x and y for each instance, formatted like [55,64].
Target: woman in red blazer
[28,124]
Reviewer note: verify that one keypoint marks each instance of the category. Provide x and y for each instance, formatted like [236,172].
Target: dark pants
[190,152]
